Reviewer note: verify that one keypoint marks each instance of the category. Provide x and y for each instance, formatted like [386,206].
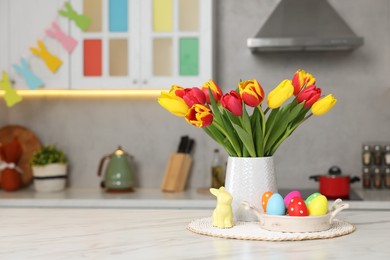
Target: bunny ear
[24,62]
[214,191]
[17,68]
[5,76]
[41,45]
[34,50]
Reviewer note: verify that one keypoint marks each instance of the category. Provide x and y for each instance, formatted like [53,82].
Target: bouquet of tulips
[237,120]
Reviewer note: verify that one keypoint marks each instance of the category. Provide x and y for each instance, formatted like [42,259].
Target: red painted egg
[297,207]
[264,199]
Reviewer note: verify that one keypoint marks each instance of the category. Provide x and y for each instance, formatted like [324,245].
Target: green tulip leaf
[246,140]
[217,136]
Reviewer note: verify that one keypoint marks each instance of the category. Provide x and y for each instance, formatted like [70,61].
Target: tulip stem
[223,131]
[266,111]
[303,120]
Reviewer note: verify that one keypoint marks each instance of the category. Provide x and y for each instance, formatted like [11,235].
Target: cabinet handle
[145,81]
[135,81]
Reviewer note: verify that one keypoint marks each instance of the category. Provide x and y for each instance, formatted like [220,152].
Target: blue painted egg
[275,205]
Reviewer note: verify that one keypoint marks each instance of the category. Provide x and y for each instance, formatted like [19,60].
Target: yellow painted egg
[264,199]
[318,206]
[311,197]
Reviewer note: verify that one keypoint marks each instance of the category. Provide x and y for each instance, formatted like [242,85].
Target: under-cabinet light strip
[87,93]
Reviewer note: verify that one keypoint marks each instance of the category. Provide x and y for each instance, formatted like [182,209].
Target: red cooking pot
[335,185]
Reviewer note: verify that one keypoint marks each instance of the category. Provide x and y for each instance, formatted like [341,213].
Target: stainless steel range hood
[304,25]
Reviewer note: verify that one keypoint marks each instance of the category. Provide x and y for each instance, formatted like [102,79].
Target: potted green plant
[49,166]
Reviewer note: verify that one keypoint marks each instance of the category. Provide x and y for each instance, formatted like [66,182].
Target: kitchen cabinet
[143,44]
[130,44]
[22,23]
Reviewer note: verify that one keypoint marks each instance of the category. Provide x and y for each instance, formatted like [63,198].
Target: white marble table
[66,233]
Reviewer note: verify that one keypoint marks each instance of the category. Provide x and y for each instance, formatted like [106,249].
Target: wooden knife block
[176,172]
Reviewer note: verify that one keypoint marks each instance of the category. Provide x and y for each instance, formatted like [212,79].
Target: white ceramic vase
[247,178]
[50,178]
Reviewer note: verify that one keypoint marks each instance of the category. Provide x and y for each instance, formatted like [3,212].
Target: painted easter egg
[264,199]
[318,206]
[290,195]
[275,205]
[297,207]
[311,197]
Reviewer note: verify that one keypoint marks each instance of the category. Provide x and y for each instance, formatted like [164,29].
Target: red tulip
[217,92]
[251,92]
[200,116]
[310,95]
[191,96]
[232,102]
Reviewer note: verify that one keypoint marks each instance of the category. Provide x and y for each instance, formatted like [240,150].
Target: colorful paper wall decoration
[80,20]
[32,80]
[11,96]
[51,61]
[67,41]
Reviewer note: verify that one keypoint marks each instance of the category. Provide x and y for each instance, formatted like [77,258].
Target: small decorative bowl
[298,224]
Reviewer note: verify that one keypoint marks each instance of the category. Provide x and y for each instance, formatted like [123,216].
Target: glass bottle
[377,155]
[366,177]
[386,156]
[387,177]
[366,156]
[217,173]
[377,178]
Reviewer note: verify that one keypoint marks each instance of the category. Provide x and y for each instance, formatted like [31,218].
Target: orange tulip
[251,92]
[199,115]
[215,89]
[301,79]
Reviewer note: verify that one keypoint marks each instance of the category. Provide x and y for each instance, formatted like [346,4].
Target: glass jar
[377,178]
[366,177]
[366,155]
[386,155]
[387,177]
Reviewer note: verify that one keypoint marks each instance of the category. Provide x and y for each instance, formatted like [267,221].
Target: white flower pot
[247,179]
[50,178]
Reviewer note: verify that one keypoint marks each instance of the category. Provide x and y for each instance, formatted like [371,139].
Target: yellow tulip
[173,103]
[323,105]
[280,94]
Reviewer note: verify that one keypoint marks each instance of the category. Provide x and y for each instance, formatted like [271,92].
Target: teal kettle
[118,176]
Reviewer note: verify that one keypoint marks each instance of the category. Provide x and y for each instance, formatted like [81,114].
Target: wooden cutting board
[30,144]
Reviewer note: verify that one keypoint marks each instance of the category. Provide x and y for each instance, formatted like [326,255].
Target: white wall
[87,129]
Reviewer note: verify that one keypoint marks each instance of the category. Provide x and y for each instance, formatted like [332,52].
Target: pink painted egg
[290,195]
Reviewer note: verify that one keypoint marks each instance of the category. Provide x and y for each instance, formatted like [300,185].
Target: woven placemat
[253,231]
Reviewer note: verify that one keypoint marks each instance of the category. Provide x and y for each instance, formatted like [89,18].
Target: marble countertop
[74,233]
[149,198]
